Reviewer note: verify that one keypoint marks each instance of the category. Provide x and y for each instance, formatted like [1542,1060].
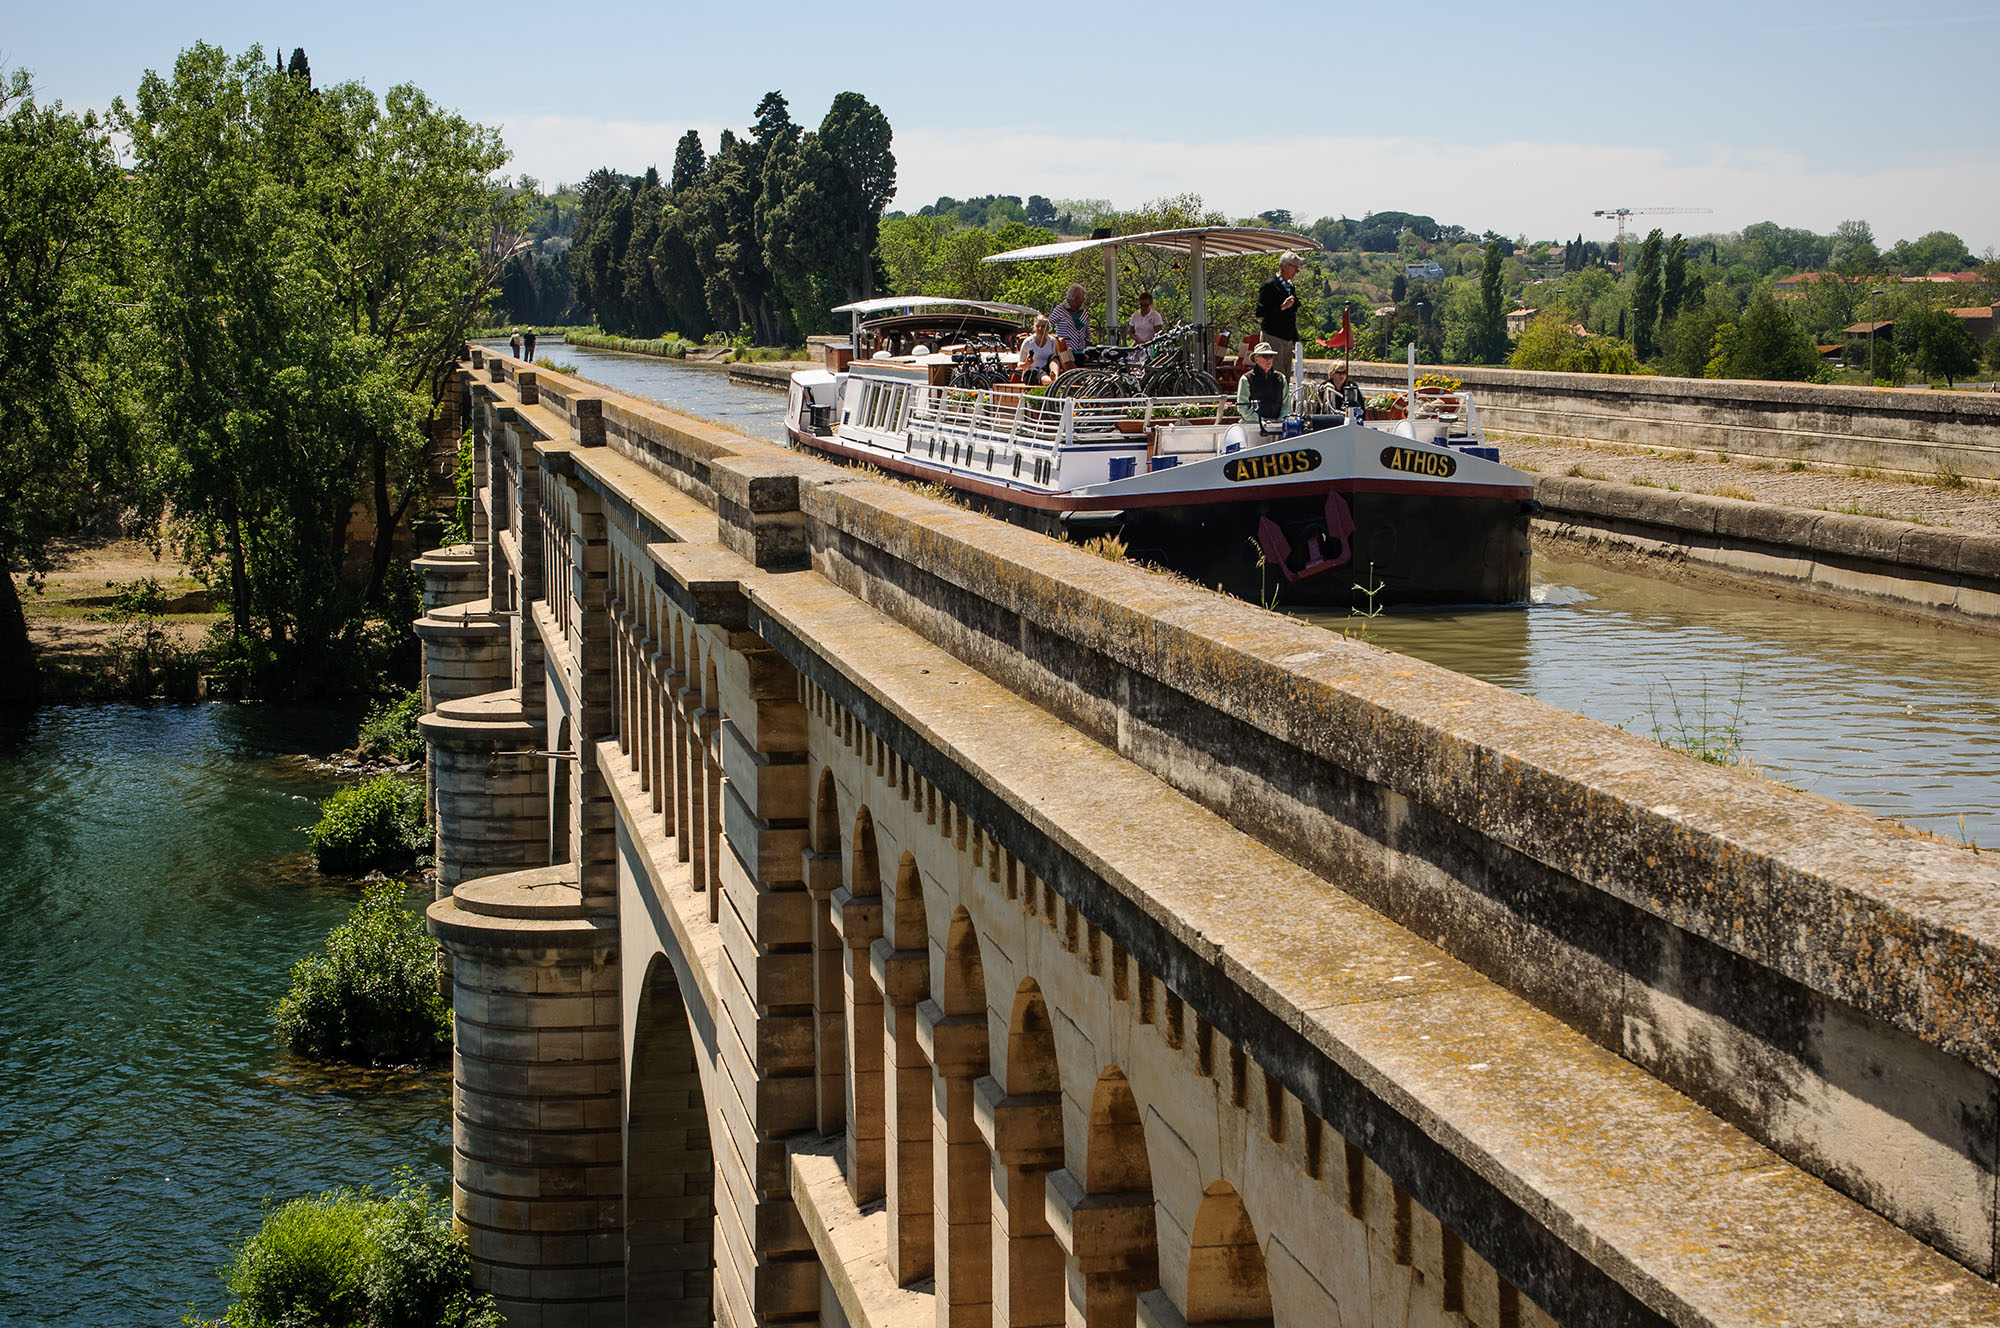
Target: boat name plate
[1442,465]
[1272,465]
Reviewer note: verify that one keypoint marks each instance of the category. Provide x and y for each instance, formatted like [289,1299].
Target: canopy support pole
[1198,298]
[1110,294]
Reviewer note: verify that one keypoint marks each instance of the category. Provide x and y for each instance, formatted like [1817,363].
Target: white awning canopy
[1213,241]
[881,303]
[1199,243]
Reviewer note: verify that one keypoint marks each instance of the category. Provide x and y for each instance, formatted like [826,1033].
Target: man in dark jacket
[1278,311]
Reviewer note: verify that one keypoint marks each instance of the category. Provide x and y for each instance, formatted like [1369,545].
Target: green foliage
[68,445]
[348,1258]
[771,231]
[1939,251]
[461,487]
[366,826]
[372,998]
[1646,296]
[671,346]
[1708,728]
[1549,344]
[312,259]
[1937,342]
[1766,343]
[390,728]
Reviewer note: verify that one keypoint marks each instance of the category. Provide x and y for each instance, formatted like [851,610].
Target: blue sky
[1522,118]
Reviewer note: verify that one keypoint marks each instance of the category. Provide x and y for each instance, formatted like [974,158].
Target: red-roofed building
[1980,320]
[1945,278]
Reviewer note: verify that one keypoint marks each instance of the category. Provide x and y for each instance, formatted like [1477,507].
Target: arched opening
[1226,1281]
[856,914]
[669,1168]
[829,981]
[559,795]
[1028,1134]
[955,1026]
[1116,1251]
[901,961]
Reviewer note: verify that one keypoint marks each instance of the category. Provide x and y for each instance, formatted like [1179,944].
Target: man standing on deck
[1070,320]
[1278,311]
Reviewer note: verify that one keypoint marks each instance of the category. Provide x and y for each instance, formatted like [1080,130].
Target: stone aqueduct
[862,912]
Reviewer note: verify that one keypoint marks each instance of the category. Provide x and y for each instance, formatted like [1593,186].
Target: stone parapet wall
[1916,431]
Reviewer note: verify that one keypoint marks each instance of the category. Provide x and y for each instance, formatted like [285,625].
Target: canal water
[1900,719]
[154,895]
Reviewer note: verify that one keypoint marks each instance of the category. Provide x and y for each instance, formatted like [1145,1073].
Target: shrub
[390,728]
[349,1257]
[372,998]
[378,824]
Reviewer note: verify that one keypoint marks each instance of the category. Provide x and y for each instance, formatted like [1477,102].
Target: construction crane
[1619,215]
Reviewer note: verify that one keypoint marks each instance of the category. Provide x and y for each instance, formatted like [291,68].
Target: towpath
[1928,500]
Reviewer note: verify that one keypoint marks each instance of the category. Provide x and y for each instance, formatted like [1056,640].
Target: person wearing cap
[1146,323]
[1278,311]
[1263,394]
[1070,320]
[514,344]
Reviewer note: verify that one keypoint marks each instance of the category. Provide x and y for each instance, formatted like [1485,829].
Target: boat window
[1017,465]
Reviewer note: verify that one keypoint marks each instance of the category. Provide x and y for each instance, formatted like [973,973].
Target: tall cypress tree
[1492,305]
[1673,284]
[1646,297]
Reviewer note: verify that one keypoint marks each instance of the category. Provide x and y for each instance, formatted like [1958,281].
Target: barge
[1323,510]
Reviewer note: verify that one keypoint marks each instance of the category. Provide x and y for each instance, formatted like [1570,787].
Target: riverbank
[116,620]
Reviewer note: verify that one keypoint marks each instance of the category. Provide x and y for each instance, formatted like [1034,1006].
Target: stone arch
[954,1026]
[1115,1253]
[669,1166]
[901,962]
[856,913]
[826,815]
[1226,1279]
[829,1001]
[1027,1139]
[560,775]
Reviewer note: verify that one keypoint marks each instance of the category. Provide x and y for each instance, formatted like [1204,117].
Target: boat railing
[1025,420]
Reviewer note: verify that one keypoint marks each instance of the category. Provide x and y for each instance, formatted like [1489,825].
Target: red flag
[1345,341]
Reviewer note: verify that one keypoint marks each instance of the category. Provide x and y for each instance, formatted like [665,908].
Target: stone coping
[1583,1179]
[486,718]
[548,893]
[853,1243]
[449,557]
[473,617]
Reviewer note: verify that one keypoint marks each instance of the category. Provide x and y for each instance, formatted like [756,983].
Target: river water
[156,895]
[1900,719]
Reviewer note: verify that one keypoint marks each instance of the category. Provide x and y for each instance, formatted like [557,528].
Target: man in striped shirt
[1071,321]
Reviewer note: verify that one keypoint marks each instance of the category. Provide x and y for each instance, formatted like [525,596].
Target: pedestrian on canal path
[528,344]
[514,344]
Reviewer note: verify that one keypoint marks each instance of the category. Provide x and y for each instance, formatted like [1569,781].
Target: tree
[1493,305]
[1766,343]
[300,68]
[1040,212]
[1937,342]
[1854,248]
[1646,296]
[67,443]
[314,258]
[1939,251]
[689,162]
[1673,280]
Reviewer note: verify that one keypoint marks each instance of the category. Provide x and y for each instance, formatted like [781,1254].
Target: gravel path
[1974,506]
